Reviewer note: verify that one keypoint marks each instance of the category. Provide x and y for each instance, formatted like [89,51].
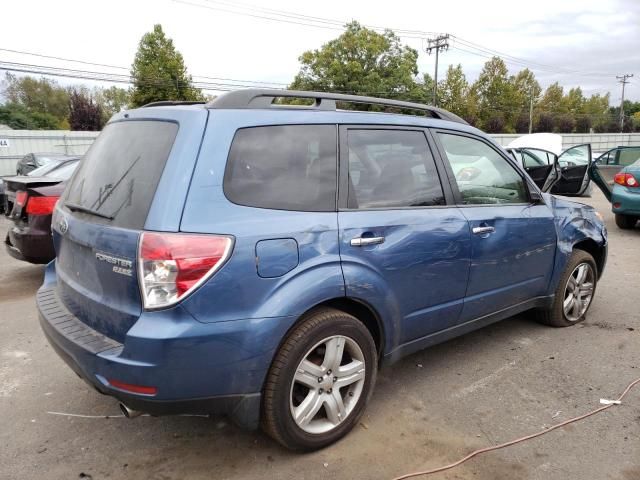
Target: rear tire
[574,294]
[320,381]
[626,221]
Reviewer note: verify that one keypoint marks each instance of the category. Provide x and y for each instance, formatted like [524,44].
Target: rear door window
[285,167]
[119,174]
[391,169]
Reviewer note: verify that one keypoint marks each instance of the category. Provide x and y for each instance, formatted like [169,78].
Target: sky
[575,42]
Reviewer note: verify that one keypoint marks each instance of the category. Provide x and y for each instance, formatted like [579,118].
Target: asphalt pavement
[502,382]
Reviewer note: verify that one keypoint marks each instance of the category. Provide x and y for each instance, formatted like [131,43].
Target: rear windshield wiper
[79,208]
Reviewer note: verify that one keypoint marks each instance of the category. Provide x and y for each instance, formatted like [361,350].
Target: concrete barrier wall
[14,144]
[600,142]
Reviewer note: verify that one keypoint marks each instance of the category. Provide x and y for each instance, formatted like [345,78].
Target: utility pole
[623,80]
[438,44]
[530,111]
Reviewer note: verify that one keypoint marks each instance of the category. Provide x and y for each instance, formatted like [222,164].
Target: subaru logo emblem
[63,226]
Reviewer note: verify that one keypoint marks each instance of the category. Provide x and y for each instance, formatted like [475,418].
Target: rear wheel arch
[360,310]
[363,312]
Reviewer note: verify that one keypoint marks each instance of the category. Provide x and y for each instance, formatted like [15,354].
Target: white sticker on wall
[4,143]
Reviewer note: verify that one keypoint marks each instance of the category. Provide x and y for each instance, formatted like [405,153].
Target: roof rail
[171,103]
[263,98]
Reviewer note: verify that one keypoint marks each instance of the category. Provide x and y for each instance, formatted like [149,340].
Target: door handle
[483,230]
[365,241]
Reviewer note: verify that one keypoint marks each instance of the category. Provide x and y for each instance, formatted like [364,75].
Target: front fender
[575,222]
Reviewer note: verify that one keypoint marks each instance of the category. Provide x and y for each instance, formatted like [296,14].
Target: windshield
[120,172]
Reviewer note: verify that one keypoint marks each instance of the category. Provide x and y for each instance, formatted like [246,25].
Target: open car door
[540,165]
[606,166]
[574,166]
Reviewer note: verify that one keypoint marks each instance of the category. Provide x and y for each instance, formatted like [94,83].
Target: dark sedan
[38,172]
[31,200]
[31,161]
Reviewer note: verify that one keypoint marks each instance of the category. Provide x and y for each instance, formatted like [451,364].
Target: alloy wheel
[327,384]
[578,292]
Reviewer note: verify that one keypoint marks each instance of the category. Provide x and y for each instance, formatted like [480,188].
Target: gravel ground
[504,381]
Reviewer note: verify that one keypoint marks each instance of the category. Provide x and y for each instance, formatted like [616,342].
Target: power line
[321,22]
[124,79]
[119,67]
[292,18]
[152,81]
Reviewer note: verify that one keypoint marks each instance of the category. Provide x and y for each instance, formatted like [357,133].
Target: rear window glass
[63,172]
[290,167]
[119,174]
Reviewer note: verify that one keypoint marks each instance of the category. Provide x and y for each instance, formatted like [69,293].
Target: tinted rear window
[119,174]
[291,167]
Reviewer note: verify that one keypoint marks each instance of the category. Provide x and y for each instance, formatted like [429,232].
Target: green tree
[553,100]
[526,89]
[498,102]
[364,62]
[453,90]
[596,107]
[19,117]
[159,73]
[38,95]
[574,101]
[111,100]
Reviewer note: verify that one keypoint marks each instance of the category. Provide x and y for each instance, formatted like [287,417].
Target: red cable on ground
[518,440]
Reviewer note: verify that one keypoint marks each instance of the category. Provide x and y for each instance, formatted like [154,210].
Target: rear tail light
[172,265]
[21,198]
[626,180]
[41,205]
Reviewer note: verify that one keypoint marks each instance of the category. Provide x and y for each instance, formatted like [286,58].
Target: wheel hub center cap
[326,382]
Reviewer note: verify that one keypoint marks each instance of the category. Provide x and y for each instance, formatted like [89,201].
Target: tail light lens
[41,205]
[626,180]
[172,265]
[21,198]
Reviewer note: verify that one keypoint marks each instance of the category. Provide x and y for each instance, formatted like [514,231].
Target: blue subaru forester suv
[261,260]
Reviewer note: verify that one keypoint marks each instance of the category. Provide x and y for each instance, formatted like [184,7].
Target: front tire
[625,222]
[574,294]
[320,381]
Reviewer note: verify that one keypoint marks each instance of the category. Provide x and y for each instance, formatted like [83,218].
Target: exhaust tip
[128,412]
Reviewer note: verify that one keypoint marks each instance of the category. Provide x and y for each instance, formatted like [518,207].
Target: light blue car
[617,173]
[262,260]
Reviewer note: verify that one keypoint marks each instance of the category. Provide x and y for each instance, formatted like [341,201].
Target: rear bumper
[629,202]
[243,409]
[196,368]
[29,244]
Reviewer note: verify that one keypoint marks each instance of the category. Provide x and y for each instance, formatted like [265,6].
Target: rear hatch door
[107,204]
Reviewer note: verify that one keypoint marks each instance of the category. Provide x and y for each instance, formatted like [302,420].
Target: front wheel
[320,381]
[626,221]
[574,293]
